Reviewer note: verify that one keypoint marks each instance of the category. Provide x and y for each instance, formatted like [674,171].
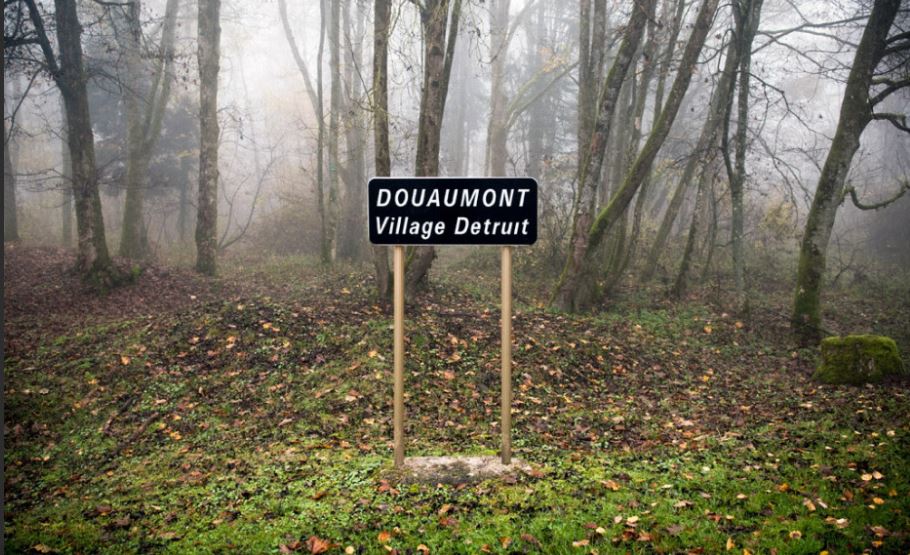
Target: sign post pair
[453,211]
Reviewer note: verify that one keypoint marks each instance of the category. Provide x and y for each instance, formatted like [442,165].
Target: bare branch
[897,120]
[905,186]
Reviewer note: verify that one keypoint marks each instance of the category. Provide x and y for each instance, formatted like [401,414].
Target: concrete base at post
[456,470]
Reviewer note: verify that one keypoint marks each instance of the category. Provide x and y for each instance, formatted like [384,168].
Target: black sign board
[453,211]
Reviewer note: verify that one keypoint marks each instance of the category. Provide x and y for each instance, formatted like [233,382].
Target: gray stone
[456,470]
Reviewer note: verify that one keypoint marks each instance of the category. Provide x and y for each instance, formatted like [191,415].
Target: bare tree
[439,34]
[575,282]
[68,71]
[315,96]
[863,92]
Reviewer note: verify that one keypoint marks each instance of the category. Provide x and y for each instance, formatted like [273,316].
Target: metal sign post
[452,211]
[398,293]
[506,408]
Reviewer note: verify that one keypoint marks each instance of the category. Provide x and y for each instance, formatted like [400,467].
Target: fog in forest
[518,59]
[706,349]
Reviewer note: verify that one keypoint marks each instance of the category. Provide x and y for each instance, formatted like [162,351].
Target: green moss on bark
[858,359]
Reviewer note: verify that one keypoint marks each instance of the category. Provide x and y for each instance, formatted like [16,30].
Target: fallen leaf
[317,545]
[730,544]
[611,485]
[384,536]
[580,543]
[795,534]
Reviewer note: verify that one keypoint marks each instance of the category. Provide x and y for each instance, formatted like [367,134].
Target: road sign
[453,211]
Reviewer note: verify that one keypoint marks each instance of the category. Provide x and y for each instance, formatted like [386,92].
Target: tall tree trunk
[334,125]
[10,216]
[750,15]
[143,126]
[855,114]
[575,284]
[66,206]
[497,135]
[649,61]
[439,51]
[351,237]
[720,99]
[183,210]
[568,292]
[209,37]
[383,160]
[316,100]
[93,259]
[682,277]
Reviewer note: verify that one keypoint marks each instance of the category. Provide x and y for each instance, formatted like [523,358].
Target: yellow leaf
[807,503]
[611,485]
[795,534]
[866,477]
[384,537]
[580,543]
[349,550]
[783,488]
[422,548]
[373,353]
[730,544]
[877,475]
[878,500]
[124,360]
[708,330]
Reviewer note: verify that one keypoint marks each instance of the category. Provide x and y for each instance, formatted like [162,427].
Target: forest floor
[252,414]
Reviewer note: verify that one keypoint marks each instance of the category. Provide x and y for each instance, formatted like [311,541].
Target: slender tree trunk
[315,95]
[569,295]
[750,15]
[183,211]
[497,134]
[711,239]
[439,51]
[10,216]
[209,37]
[143,127]
[855,114]
[720,98]
[576,283]
[682,277]
[332,212]
[66,188]
[351,237]
[383,160]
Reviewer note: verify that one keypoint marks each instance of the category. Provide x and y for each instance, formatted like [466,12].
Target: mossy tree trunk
[697,161]
[576,282]
[209,37]
[383,160]
[855,113]
[569,295]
